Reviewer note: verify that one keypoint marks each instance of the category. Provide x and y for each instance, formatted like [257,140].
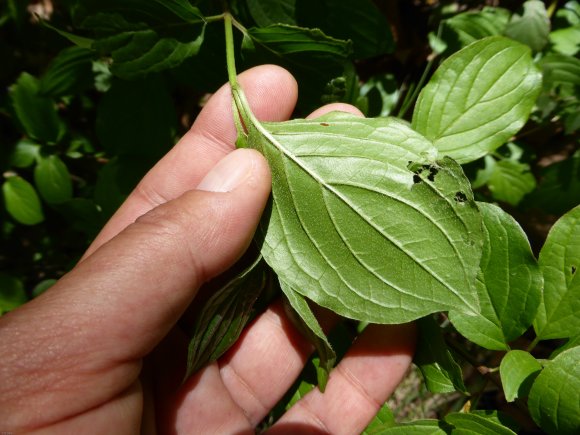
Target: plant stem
[533,344]
[412,94]
[230,55]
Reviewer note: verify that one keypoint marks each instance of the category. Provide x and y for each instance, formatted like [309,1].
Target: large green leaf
[559,312]
[418,427]
[518,369]
[554,400]
[531,26]
[53,180]
[440,371]
[509,284]
[21,201]
[36,113]
[364,221]
[478,98]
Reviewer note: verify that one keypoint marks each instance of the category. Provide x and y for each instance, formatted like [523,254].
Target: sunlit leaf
[559,312]
[478,98]
[359,207]
[518,370]
[21,201]
[554,400]
[509,284]
[53,180]
[532,26]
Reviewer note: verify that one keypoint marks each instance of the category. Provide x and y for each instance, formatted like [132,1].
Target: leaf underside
[365,222]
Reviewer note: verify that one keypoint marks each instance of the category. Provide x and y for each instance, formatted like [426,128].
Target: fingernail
[229,173]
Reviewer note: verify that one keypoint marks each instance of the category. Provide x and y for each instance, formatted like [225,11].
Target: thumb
[128,294]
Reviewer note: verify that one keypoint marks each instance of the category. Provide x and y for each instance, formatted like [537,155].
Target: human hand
[100,351]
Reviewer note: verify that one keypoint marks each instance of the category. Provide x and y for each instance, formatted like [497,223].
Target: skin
[100,351]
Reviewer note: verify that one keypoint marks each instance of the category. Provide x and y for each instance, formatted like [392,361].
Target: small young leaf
[509,284]
[359,207]
[68,72]
[532,26]
[309,326]
[559,312]
[53,180]
[224,317]
[554,400]
[510,181]
[36,113]
[518,370]
[12,293]
[25,154]
[478,98]
[440,371]
[22,201]
[566,41]
[382,420]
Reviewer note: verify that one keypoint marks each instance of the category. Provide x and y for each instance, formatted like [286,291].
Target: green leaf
[309,326]
[510,181]
[36,113]
[12,293]
[559,312]
[69,72]
[79,41]
[566,41]
[382,420]
[21,201]
[382,93]
[266,12]
[303,389]
[224,316]
[462,29]
[509,284]
[142,52]
[532,26]
[359,207]
[143,37]
[554,400]
[361,22]
[477,424]
[518,370]
[53,180]
[478,98]
[417,427]
[558,70]
[440,371]
[25,154]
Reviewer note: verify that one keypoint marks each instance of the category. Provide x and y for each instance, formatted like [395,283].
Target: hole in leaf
[416,179]
[573,270]
[460,197]
[325,124]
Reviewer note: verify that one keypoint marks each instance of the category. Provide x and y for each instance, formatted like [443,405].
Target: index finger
[271,92]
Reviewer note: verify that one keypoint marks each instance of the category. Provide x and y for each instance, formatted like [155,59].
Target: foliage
[435,215]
